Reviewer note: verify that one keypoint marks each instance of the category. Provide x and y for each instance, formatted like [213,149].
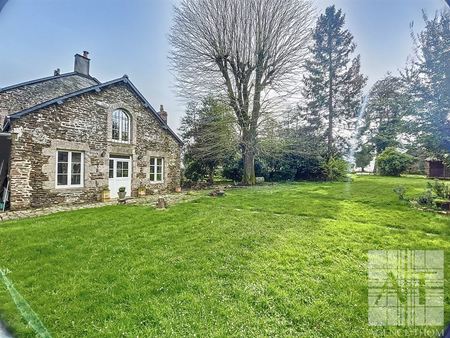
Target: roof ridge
[48,78]
[60,100]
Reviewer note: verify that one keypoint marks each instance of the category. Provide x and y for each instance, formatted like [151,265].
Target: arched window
[120,126]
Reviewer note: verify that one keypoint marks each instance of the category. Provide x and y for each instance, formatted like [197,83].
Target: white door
[119,175]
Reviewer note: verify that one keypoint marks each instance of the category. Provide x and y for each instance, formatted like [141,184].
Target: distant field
[283,260]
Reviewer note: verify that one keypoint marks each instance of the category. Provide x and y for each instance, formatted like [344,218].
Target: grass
[287,260]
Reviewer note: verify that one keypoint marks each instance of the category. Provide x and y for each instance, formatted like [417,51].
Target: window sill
[120,142]
[71,188]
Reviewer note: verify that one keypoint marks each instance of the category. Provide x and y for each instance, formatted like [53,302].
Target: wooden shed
[437,169]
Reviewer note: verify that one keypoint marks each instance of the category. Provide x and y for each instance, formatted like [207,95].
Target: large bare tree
[249,50]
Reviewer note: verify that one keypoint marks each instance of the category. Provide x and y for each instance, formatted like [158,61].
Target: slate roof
[97,87]
[47,79]
[28,94]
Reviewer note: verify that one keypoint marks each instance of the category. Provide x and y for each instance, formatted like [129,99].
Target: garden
[273,260]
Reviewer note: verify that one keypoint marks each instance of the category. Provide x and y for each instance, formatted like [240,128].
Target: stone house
[67,137]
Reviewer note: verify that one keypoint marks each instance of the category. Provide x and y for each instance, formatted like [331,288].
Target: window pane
[63,156]
[62,168]
[115,134]
[152,161]
[152,176]
[76,157]
[111,169]
[120,126]
[158,177]
[119,169]
[62,179]
[159,161]
[75,179]
[125,173]
[76,168]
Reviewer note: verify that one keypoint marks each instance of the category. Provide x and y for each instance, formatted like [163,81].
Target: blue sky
[130,37]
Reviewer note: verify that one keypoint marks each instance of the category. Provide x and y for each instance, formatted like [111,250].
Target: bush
[233,169]
[335,169]
[400,191]
[391,162]
[439,188]
[290,166]
[426,199]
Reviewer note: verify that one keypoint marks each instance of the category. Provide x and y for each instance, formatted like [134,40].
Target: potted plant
[122,193]
[105,194]
[141,191]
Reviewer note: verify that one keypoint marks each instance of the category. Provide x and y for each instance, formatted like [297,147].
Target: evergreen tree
[388,108]
[208,131]
[333,82]
[363,157]
[432,85]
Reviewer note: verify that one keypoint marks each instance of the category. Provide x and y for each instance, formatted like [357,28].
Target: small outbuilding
[437,169]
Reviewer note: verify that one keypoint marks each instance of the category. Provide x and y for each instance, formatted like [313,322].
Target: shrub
[400,191]
[335,169]
[441,189]
[391,162]
[426,199]
[233,169]
[290,166]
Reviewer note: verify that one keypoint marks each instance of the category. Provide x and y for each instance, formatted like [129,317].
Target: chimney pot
[82,63]
[57,72]
[163,113]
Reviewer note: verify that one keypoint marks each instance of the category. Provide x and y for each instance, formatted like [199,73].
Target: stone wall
[26,96]
[83,123]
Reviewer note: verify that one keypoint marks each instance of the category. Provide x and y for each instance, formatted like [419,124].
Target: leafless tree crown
[237,46]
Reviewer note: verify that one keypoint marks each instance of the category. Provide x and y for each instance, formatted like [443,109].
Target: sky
[130,37]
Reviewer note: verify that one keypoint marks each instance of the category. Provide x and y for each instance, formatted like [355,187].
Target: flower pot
[105,196]
[178,189]
[122,194]
[141,192]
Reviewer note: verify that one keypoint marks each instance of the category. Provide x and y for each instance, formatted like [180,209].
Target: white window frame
[69,170]
[155,168]
[121,126]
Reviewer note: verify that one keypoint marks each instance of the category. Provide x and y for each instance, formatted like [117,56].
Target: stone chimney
[163,113]
[82,63]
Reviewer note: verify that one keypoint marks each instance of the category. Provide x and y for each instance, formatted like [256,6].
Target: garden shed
[437,169]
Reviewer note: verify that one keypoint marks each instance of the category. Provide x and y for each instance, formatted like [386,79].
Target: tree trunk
[211,177]
[248,156]
[249,168]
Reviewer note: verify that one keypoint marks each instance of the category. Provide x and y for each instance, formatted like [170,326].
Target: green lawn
[286,260]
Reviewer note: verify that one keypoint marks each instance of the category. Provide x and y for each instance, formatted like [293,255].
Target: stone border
[170,198]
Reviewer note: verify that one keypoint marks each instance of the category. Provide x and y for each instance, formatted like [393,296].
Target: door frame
[115,159]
